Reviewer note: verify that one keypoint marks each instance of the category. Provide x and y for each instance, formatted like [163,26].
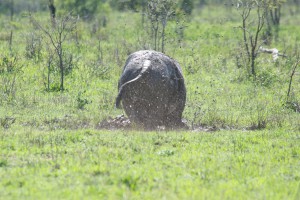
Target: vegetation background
[59,66]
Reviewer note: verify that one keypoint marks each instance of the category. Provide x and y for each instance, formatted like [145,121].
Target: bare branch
[291,77]
[245,15]
[46,32]
[57,35]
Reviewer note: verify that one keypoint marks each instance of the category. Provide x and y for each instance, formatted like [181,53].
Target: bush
[187,6]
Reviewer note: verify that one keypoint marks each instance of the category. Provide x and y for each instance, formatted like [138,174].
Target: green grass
[51,148]
[91,164]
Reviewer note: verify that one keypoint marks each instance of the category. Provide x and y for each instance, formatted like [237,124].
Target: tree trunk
[61,74]
[155,36]
[291,79]
[164,24]
[61,67]
[49,72]
[11,19]
[143,11]
[253,72]
[52,10]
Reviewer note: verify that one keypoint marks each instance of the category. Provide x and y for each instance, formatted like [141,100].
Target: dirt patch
[205,128]
[123,123]
[119,122]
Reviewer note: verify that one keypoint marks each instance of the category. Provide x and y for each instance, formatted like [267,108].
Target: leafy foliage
[85,9]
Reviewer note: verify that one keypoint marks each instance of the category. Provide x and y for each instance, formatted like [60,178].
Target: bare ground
[119,122]
[122,122]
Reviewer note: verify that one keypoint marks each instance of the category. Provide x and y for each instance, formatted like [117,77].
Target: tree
[52,10]
[143,5]
[11,19]
[57,36]
[289,102]
[252,30]
[10,71]
[273,15]
[85,9]
[159,12]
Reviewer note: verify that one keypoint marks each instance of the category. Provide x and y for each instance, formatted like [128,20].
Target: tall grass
[219,92]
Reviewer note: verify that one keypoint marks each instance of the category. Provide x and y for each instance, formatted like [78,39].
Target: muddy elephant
[152,90]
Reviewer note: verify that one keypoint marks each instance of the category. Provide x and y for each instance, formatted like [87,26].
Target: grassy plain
[50,146]
[91,164]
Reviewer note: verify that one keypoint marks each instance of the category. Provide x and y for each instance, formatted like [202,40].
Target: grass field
[91,164]
[243,142]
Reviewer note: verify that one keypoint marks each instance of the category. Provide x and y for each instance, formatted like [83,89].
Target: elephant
[152,90]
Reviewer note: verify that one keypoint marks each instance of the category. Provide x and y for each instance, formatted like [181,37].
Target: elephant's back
[160,68]
[151,85]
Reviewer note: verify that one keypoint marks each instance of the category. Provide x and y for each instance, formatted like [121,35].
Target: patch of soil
[119,122]
[203,128]
[122,122]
